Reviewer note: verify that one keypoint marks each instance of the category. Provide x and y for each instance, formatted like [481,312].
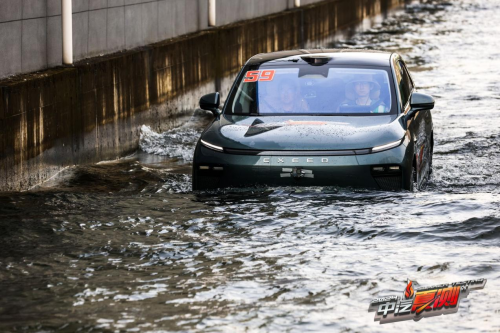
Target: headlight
[211,146]
[387,146]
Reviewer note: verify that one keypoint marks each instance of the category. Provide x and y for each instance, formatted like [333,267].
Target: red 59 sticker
[265,75]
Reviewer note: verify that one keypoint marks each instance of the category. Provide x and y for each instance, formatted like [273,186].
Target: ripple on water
[126,245]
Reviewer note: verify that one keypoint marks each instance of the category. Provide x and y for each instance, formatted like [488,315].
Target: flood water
[126,246]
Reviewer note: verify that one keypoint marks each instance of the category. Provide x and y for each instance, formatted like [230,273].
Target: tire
[430,165]
[413,180]
[431,153]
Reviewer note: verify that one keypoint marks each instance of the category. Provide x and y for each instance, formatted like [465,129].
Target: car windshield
[306,89]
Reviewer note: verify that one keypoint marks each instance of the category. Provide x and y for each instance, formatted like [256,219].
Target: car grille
[209,182]
[389,183]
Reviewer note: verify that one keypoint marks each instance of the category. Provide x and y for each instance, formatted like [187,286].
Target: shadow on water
[126,245]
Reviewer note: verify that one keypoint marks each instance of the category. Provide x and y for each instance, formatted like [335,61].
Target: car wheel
[430,165]
[413,180]
[431,151]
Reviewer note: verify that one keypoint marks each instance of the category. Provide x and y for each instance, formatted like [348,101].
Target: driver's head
[362,88]
[288,91]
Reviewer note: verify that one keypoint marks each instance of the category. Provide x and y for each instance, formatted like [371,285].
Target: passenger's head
[364,85]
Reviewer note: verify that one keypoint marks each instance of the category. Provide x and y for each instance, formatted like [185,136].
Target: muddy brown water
[126,246]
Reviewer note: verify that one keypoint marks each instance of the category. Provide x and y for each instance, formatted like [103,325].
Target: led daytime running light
[211,146]
[386,146]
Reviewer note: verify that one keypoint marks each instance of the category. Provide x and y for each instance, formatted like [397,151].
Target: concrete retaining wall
[32,28]
[93,111]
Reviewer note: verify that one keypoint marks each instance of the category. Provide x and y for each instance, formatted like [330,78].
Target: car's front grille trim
[389,182]
[297,152]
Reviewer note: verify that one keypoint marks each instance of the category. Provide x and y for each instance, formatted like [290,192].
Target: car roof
[355,57]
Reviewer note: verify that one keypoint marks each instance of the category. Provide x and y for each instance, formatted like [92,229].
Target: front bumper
[212,169]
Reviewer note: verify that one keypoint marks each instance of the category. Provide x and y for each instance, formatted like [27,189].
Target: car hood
[303,132]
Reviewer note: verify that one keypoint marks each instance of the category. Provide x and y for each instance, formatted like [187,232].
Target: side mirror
[419,102]
[211,102]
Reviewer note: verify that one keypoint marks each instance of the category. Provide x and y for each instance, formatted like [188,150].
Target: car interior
[318,93]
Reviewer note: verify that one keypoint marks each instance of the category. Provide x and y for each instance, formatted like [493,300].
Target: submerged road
[126,246]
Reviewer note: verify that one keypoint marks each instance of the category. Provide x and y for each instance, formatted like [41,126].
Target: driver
[290,98]
[284,97]
[366,92]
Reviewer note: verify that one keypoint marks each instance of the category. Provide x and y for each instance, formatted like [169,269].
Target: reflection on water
[126,246]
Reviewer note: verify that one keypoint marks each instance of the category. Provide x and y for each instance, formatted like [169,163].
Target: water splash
[127,246]
[179,143]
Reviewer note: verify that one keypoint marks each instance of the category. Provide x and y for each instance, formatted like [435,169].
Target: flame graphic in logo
[409,292]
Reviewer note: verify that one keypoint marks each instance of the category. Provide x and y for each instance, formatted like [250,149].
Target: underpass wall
[93,111]
[33,29]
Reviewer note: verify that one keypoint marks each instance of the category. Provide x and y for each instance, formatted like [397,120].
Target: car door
[418,125]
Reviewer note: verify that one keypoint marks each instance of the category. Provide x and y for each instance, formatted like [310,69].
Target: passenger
[365,91]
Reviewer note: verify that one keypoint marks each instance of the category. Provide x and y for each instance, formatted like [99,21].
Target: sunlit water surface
[126,246]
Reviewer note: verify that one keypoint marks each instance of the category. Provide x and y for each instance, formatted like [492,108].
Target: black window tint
[405,85]
[407,74]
